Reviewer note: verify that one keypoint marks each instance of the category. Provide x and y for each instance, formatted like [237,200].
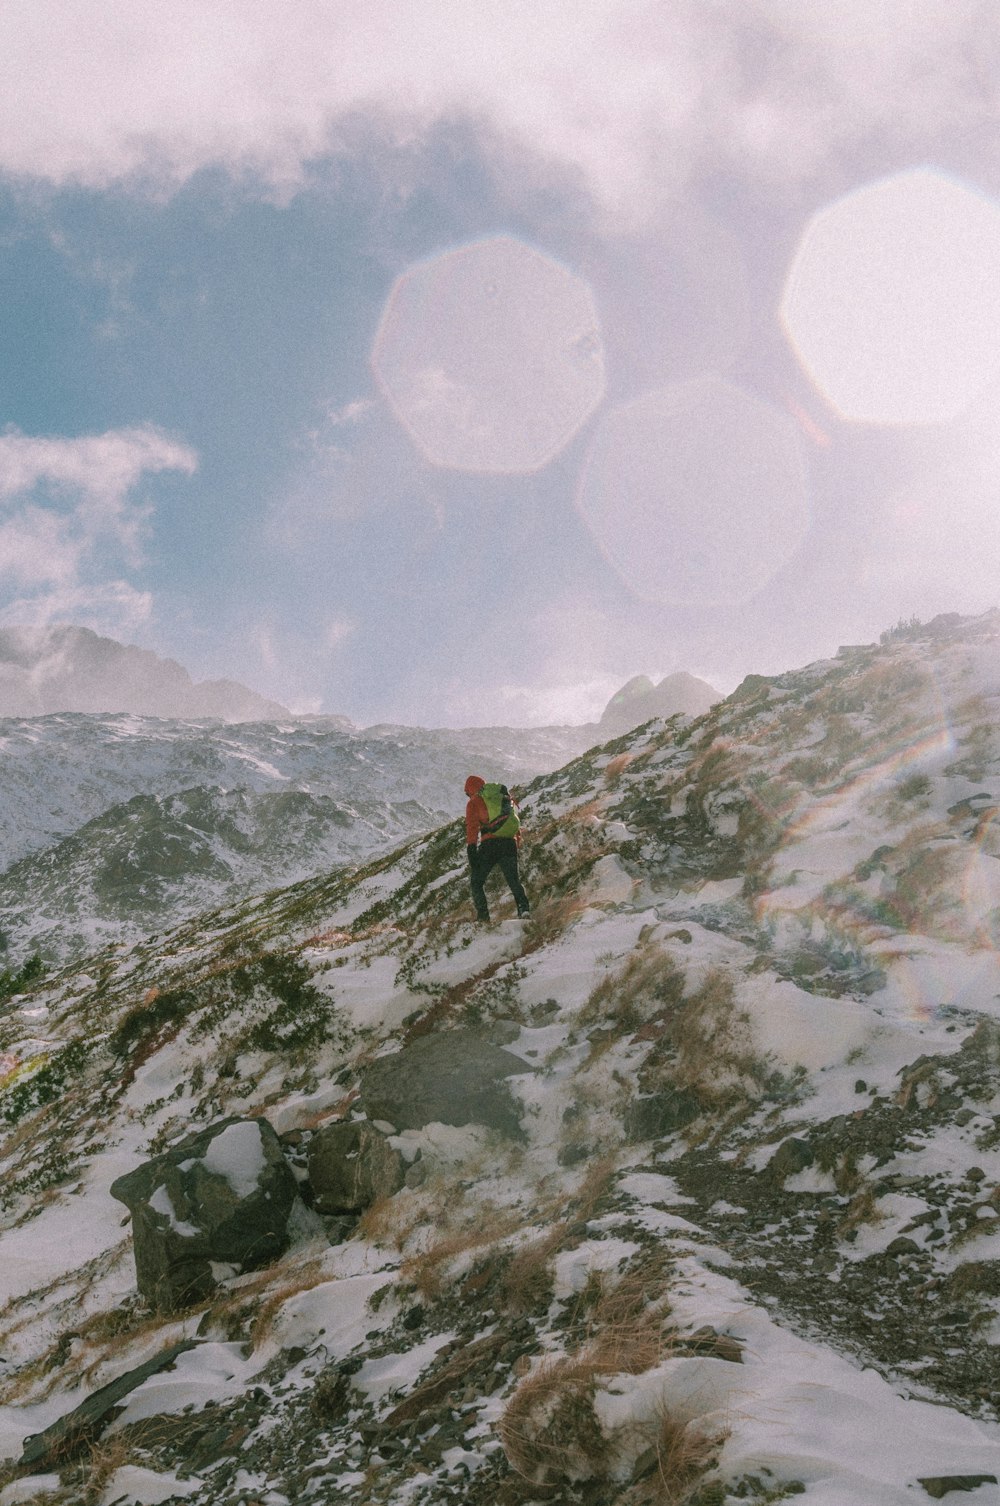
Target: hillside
[112,826]
[727,1227]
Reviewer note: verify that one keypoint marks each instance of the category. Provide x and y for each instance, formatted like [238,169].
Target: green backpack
[503,818]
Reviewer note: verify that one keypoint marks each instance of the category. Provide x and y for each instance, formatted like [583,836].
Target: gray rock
[454,1077]
[351,1166]
[63,1439]
[791,1156]
[902,1245]
[222,1197]
[938,1486]
[657,1115]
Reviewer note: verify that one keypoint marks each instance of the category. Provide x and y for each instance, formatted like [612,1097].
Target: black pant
[495,852]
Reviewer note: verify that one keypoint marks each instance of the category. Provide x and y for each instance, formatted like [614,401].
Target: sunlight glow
[696,493]
[892,302]
[490,356]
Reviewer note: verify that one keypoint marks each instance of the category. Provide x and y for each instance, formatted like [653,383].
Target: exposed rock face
[221,1197]
[660,1114]
[639,700]
[351,1166]
[452,1078]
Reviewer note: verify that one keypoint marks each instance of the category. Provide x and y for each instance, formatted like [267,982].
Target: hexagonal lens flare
[892,301]
[696,494]
[490,356]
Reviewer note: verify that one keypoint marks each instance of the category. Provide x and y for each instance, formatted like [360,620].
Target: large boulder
[351,1166]
[220,1198]
[455,1077]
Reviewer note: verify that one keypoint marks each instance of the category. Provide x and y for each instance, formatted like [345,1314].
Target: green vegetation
[16,981]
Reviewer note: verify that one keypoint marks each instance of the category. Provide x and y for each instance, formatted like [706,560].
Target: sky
[450,364]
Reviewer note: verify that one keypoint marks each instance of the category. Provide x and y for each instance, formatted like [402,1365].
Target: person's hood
[473,785]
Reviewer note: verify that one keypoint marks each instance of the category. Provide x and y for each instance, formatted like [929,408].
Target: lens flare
[892,302]
[490,356]
[696,494]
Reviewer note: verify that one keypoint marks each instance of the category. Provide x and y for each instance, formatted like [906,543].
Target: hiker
[492,837]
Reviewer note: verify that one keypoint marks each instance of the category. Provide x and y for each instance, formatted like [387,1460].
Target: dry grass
[105,1458]
[550,918]
[685,1451]
[313,1273]
[391,1221]
[616,766]
[549,1430]
[428,1271]
[648,983]
[712,1042]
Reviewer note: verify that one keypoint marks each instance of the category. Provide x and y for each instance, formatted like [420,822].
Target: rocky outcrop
[452,1078]
[221,1198]
[352,1165]
[69,1435]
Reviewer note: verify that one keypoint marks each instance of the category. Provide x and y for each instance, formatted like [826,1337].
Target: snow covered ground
[748,1248]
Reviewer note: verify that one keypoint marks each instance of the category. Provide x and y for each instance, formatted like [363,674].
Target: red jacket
[476,814]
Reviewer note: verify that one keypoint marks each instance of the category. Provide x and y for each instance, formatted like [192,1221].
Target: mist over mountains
[67,668]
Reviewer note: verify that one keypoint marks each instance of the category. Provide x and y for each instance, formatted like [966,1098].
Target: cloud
[68,522]
[627,94]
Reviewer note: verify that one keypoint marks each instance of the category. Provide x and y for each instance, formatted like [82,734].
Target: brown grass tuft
[549,1430]
[685,1451]
[649,982]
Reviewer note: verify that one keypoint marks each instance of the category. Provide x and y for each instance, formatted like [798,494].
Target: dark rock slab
[657,1115]
[69,1435]
[454,1077]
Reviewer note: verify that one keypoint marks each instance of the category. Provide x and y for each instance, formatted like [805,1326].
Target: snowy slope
[778,922]
[115,825]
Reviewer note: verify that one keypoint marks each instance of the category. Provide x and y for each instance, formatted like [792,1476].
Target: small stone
[572,1155]
[975,1174]
[964,1116]
[902,1245]
[861,1086]
[791,1156]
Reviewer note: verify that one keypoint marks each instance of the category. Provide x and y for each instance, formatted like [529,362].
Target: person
[491,849]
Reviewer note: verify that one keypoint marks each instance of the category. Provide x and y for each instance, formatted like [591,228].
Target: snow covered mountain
[727,1230]
[67,668]
[115,825]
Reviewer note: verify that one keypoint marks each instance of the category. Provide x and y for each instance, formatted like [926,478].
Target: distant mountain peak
[69,668]
[639,700]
